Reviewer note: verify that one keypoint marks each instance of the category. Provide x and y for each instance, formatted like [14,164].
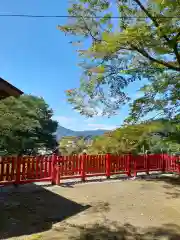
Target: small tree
[26,125]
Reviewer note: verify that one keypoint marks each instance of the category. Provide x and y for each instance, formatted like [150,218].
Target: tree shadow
[113,231]
[172,179]
[31,209]
[171,183]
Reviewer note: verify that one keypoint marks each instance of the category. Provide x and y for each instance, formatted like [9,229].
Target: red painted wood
[83,159]
[2,169]
[53,168]
[33,167]
[58,175]
[27,161]
[37,167]
[129,165]
[18,170]
[108,165]
[22,170]
[13,169]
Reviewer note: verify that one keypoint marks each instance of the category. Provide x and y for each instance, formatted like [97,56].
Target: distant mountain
[62,132]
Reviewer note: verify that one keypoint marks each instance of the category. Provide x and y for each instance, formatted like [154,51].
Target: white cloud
[82,124]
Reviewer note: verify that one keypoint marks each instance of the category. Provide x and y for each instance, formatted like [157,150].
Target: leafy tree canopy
[26,125]
[127,139]
[127,41]
[153,136]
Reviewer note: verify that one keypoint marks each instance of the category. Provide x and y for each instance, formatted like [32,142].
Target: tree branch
[147,13]
[145,54]
[176,48]
[164,36]
[152,18]
[93,37]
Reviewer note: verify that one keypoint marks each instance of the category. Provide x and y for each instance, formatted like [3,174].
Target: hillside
[61,132]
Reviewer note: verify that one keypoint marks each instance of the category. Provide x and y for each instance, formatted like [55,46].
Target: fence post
[108,164]
[129,165]
[147,163]
[83,160]
[18,171]
[135,166]
[163,163]
[57,174]
[53,169]
[178,160]
[178,165]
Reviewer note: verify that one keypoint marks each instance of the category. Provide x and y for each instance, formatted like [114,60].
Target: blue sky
[37,58]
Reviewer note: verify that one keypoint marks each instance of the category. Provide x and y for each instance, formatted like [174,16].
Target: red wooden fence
[20,170]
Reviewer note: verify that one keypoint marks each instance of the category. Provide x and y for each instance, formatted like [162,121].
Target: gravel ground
[141,209]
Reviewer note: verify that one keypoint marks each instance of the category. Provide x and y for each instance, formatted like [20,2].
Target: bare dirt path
[137,209]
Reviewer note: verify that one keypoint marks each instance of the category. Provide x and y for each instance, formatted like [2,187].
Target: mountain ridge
[63,132]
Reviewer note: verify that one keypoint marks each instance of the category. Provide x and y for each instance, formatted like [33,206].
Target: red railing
[20,170]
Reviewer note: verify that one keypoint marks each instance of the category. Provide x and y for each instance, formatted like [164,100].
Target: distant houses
[7,90]
[73,141]
[69,145]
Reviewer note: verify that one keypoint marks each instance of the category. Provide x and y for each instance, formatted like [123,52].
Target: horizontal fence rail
[21,170]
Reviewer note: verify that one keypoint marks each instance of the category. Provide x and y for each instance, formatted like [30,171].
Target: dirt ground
[138,209]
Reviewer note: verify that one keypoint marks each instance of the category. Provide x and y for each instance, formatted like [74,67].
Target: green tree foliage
[26,125]
[127,139]
[143,42]
[149,137]
[175,131]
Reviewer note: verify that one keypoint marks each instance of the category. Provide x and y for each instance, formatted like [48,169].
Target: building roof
[7,84]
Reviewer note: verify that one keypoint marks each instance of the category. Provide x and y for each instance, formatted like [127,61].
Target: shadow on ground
[172,179]
[127,232]
[171,183]
[32,209]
